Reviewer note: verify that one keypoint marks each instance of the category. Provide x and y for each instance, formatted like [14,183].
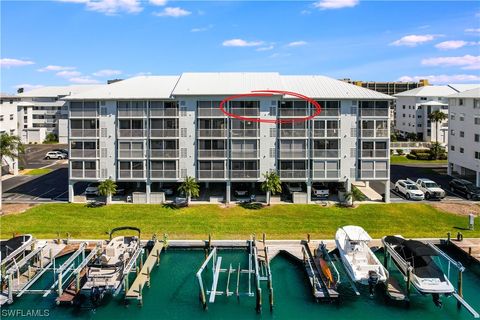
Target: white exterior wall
[9,117]
[348,139]
[187,121]
[108,140]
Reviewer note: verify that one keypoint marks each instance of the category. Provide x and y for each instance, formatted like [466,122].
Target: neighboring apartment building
[149,131]
[41,111]
[9,125]
[414,106]
[464,135]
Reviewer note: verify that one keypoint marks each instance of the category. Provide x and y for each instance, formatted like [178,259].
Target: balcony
[326,153]
[326,133]
[243,154]
[83,133]
[210,112]
[293,174]
[245,174]
[160,113]
[293,133]
[374,133]
[83,153]
[141,113]
[84,174]
[129,154]
[164,174]
[212,133]
[163,153]
[84,113]
[211,174]
[293,112]
[212,153]
[131,133]
[368,153]
[296,154]
[370,112]
[245,112]
[132,174]
[330,174]
[330,112]
[245,133]
[160,133]
[373,174]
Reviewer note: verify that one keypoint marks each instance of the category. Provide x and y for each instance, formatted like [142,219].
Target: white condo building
[9,125]
[414,106]
[464,135]
[146,132]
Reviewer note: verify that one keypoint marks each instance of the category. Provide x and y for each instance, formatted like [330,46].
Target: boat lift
[394,290]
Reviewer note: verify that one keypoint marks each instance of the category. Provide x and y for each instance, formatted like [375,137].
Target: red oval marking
[269,93]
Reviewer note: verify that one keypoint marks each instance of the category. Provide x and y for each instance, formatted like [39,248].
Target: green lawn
[195,222]
[37,172]
[402,159]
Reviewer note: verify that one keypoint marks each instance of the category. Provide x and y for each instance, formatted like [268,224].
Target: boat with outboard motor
[360,262]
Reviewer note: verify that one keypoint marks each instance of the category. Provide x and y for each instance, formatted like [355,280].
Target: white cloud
[203,29]
[83,80]
[175,12]
[8,62]
[335,4]
[413,40]
[241,43]
[279,55]
[455,44]
[475,30]
[110,7]
[296,44]
[305,12]
[267,48]
[55,68]
[27,86]
[107,73]
[466,62]
[142,74]
[158,2]
[443,78]
[68,74]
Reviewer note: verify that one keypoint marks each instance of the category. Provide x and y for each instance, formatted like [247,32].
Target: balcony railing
[293,112]
[171,112]
[212,133]
[163,132]
[293,174]
[83,153]
[245,174]
[373,174]
[245,112]
[210,112]
[212,153]
[374,153]
[330,112]
[132,113]
[245,133]
[163,153]
[330,153]
[84,113]
[330,174]
[83,133]
[302,154]
[372,133]
[164,174]
[211,174]
[84,174]
[243,154]
[132,174]
[326,133]
[131,133]
[131,154]
[293,133]
[374,112]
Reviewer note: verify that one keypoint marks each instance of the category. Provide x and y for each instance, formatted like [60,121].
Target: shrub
[411,156]
[21,168]
[400,151]
[423,156]
[391,151]
[414,152]
[51,138]
[443,156]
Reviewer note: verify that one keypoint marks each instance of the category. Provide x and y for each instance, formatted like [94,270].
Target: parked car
[180,201]
[92,189]
[168,190]
[465,188]
[294,187]
[409,189]
[321,191]
[64,151]
[430,189]
[55,155]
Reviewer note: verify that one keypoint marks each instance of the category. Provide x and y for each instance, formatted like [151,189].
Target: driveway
[35,155]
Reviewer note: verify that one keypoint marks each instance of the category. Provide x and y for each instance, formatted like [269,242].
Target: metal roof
[428,91]
[464,87]
[473,93]
[433,103]
[56,91]
[143,87]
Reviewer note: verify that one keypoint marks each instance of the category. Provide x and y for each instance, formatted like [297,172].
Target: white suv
[409,189]
[431,189]
[55,155]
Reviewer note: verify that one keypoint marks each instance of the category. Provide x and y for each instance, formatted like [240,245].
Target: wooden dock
[470,247]
[143,277]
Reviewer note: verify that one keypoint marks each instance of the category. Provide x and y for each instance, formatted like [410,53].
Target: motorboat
[105,273]
[426,275]
[359,260]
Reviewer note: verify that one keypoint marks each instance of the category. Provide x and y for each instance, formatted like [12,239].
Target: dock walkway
[471,247]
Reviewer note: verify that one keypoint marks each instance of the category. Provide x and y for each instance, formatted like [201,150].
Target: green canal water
[174,295]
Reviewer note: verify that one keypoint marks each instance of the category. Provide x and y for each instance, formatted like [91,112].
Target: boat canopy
[419,248]
[356,233]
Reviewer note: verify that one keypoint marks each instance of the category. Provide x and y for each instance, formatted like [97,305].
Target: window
[476,103]
[462,134]
[477,120]
[462,150]
[403,115]
[11,117]
[476,138]
[419,125]
[403,107]
[1,118]
[419,116]
[477,155]
[460,102]
[452,116]
[462,116]
[423,98]
[452,148]
[452,132]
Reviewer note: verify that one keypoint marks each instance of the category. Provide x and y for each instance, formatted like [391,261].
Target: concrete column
[348,185]
[367,184]
[227,195]
[478,179]
[309,192]
[449,169]
[147,190]
[387,191]
[207,184]
[15,167]
[71,194]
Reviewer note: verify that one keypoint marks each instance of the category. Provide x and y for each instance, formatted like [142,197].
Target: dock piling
[460,288]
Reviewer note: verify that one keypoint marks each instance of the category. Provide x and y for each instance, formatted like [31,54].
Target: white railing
[163,132]
[374,153]
[329,112]
[169,112]
[211,174]
[410,145]
[372,133]
[212,153]
[131,154]
[293,174]
[293,154]
[293,133]
[210,112]
[131,113]
[329,133]
[245,112]
[132,174]
[164,174]
[317,174]
[131,133]
[330,153]
[83,153]
[242,154]
[209,133]
[293,112]
[371,112]
[163,153]
[83,133]
[245,133]
[373,174]
[84,174]
[83,113]
[245,174]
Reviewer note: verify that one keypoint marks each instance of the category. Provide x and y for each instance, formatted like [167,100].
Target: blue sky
[90,41]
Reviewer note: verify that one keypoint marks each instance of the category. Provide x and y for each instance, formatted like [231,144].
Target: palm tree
[271,185]
[107,188]
[190,187]
[436,117]
[10,147]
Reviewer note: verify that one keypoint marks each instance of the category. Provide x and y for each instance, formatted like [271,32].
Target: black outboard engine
[436,300]
[372,281]
[96,295]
